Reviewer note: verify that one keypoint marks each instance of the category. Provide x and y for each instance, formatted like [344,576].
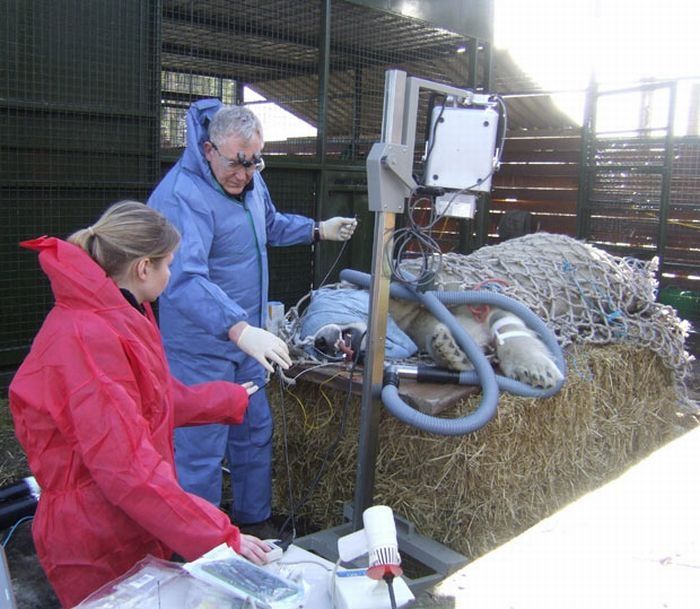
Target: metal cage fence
[642,192]
[78,130]
[272,53]
[244,53]
[94,96]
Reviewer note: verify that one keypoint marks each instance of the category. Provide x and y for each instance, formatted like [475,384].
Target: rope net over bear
[583,294]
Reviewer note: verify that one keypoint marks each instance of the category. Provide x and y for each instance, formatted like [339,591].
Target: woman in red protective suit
[94,407]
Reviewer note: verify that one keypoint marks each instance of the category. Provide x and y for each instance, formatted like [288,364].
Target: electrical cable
[286,462]
[389,579]
[12,530]
[431,145]
[335,263]
[294,563]
[292,380]
[417,235]
[325,459]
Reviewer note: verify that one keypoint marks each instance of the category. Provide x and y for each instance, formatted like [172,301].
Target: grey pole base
[437,559]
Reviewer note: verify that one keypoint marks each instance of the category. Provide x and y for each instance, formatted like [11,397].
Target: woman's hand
[254,549]
[250,387]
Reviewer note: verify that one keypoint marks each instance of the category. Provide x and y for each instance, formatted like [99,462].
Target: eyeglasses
[254,164]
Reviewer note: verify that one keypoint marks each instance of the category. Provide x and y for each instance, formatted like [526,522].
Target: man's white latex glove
[337,229]
[261,345]
[250,387]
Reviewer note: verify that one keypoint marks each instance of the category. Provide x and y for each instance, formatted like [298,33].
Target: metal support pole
[484,203]
[473,50]
[321,126]
[664,203]
[588,136]
[392,127]
[356,112]
[390,181]
[488,65]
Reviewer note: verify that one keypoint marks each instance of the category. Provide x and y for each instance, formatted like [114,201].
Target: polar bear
[580,291]
[520,353]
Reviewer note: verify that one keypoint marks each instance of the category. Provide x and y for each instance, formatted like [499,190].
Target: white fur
[521,354]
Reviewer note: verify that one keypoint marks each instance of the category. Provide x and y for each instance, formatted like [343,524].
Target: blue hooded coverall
[219,277]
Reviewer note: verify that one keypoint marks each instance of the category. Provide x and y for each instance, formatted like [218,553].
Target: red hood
[76,279]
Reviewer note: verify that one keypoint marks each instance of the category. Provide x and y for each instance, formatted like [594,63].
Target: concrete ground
[633,543]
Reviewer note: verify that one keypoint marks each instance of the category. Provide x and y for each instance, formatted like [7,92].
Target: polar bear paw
[527,359]
[443,348]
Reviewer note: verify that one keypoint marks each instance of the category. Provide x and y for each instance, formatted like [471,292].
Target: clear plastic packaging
[158,584]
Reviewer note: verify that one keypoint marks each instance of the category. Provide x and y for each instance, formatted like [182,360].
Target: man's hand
[261,345]
[337,229]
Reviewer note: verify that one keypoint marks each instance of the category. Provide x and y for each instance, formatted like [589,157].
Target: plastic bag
[159,584]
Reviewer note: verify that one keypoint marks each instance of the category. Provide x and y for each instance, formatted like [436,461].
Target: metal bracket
[389,177]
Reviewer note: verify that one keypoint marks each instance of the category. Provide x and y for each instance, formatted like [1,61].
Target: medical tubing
[483,297]
[531,320]
[430,374]
[402,411]
[482,373]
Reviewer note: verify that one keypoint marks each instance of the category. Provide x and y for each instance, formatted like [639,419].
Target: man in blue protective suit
[213,311]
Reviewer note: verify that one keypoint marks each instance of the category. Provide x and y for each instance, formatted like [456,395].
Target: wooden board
[429,398]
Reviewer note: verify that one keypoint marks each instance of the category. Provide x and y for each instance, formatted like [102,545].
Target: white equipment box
[456,205]
[354,590]
[461,147]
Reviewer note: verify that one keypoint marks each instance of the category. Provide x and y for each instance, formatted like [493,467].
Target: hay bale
[473,493]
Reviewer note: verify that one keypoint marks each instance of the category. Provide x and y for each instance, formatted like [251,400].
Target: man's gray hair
[234,121]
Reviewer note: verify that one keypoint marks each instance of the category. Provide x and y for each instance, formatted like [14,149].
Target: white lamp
[378,539]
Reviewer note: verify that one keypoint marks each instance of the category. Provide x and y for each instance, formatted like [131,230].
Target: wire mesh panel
[268,53]
[364,44]
[641,190]
[291,267]
[683,243]
[78,130]
[626,207]
[264,54]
